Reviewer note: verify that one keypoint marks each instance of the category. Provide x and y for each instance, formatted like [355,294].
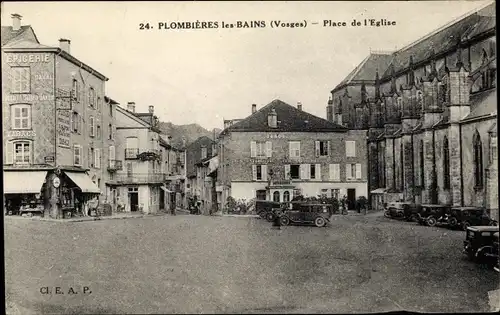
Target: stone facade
[437,106]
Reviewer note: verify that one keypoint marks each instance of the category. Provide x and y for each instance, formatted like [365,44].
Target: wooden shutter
[334,172]
[303,170]
[253,149]
[269,149]
[317,148]
[264,172]
[328,152]
[287,171]
[318,172]
[97,158]
[348,171]
[254,172]
[9,154]
[358,171]
[307,171]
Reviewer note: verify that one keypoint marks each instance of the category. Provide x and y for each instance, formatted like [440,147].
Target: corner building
[57,125]
[281,151]
[430,110]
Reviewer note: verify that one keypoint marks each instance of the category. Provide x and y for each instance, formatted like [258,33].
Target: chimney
[16,22]
[299,105]
[272,119]
[254,108]
[131,107]
[151,109]
[64,44]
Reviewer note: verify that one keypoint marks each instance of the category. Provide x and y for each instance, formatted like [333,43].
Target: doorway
[172,201]
[162,199]
[351,198]
[261,195]
[133,198]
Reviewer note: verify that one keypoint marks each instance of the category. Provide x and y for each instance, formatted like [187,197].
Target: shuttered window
[350,148]
[334,172]
[21,79]
[77,155]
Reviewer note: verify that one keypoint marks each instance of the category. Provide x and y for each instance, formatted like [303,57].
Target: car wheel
[431,221]
[319,222]
[465,225]
[387,214]
[270,217]
[284,221]
[452,222]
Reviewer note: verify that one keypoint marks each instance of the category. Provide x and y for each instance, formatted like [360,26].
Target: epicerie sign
[28,58]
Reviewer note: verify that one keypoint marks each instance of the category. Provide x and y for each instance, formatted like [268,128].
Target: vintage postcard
[250,157]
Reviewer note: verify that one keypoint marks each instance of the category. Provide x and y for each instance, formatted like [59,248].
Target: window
[422,177]
[91,157]
[129,169]
[276,196]
[97,158]
[111,110]
[350,148]
[322,148]
[353,171]
[77,155]
[446,164]
[22,152]
[75,90]
[294,149]
[286,196]
[261,149]
[295,171]
[21,79]
[98,103]
[203,152]
[259,172]
[335,193]
[334,172]
[91,97]
[76,122]
[21,116]
[92,126]
[111,156]
[98,132]
[110,128]
[478,160]
[312,171]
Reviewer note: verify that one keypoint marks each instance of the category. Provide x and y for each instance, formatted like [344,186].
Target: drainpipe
[394,163]
[412,167]
[461,166]
[434,175]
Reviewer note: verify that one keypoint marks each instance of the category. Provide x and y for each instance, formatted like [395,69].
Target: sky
[206,75]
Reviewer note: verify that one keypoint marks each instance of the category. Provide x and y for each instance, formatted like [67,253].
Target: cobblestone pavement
[194,264]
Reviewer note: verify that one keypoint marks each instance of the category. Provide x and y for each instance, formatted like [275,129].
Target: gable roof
[366,70]
[131,115]
[290,119]
[8,34]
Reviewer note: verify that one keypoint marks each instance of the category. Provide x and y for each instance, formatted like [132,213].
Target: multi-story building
[136,185]
[196,152]
[206,182]
[175,174]
[430,110]
[281,151]
[56,123]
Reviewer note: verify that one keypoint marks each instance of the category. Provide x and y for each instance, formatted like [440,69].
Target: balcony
[145,154]
[137,178]
[115,165]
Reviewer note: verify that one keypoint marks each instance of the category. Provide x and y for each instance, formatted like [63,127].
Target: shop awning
[378,191]
[83,181]
[27,182]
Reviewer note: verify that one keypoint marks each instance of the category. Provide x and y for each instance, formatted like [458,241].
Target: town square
[250,157]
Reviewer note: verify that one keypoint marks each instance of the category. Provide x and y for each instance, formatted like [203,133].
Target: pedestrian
[276,221]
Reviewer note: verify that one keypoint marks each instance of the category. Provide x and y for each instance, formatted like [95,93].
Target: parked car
[481,244]
[432,214]
[318,214]
[402,210]
[264,208]
[469,216]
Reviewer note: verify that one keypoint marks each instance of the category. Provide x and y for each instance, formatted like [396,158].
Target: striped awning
[23,182]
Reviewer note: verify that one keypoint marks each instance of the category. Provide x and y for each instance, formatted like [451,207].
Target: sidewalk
[116,216]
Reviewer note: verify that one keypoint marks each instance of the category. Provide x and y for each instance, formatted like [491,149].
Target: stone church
[430,111]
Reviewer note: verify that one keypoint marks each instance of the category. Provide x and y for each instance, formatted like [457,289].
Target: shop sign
[63,128]
[30,98]
[28,58]
[21,133]
[56,182]
[275,136]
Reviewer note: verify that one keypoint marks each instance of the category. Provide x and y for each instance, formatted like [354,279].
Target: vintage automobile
[481,244]
[318,214]
[464,217]
[402,210]
[432,214]
[264,208]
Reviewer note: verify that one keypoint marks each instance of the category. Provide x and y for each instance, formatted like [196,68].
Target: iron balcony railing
[135,153]
[138,178]
[115,165]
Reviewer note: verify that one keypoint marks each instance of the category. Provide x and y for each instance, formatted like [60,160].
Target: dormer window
[272,119]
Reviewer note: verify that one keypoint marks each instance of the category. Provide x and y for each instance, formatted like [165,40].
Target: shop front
[23,192]
[76,194]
